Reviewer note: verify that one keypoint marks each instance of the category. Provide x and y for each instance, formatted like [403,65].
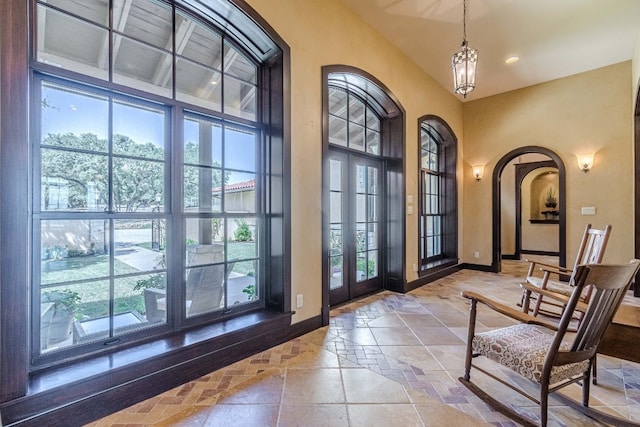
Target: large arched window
[437,196]
[151,151]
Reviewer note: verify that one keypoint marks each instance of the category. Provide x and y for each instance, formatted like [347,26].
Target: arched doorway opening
[496,202]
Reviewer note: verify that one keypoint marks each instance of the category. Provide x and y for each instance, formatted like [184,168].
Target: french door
[355,226]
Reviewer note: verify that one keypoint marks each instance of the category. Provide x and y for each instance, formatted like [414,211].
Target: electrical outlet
[476,254]
[415,267]
[299,301]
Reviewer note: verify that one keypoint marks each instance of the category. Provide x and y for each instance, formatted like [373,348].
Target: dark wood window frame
[87,389]
[447,160]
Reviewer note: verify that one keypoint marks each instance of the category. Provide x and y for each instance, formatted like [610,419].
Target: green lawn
[94,292]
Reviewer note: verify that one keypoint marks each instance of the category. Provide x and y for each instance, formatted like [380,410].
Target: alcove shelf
[544,221]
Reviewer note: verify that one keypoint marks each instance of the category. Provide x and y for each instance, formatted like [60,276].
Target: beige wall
[635,79]
[325,32]
[585,112]
[507,208]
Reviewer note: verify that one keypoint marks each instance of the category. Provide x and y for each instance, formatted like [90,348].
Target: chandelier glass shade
[464,63]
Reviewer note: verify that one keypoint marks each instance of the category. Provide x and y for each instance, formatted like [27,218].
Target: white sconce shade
[585,161]
[478,172]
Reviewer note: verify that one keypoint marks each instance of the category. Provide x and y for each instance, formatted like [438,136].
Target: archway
[495,210]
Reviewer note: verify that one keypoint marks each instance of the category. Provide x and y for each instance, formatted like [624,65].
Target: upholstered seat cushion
[523,348]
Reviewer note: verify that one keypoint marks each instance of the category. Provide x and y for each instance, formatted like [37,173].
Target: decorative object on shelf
[552,200]
[585,161]
[478,172]
[551,215]
[464,62]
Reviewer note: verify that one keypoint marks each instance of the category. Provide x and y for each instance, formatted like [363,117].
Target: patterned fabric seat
[523,348]
[541,351]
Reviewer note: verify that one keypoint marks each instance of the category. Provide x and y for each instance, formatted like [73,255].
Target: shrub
[242,233]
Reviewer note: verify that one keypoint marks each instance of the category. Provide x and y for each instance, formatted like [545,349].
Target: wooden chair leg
[526,300]
[586,384]
[544,405]
[470,335]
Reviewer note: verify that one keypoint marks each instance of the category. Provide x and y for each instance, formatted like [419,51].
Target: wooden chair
[537,350]
[590,251]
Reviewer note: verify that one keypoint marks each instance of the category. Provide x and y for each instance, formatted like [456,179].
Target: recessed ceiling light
[512,59]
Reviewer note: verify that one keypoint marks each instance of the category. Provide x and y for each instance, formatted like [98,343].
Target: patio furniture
[205,289]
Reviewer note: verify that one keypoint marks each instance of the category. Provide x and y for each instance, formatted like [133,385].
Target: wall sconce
[478,172]
[585,161]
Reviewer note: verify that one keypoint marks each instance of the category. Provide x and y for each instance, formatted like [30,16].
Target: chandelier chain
[464,21]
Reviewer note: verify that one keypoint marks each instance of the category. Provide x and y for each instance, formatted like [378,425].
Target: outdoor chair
[540,351]
[205,290]
[555,293]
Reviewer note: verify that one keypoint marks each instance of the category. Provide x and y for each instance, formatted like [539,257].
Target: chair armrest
[556,270]
[508,311]
[582,307]
[553,268]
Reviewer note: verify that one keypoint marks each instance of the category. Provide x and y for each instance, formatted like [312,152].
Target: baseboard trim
[477,267]
[545,253]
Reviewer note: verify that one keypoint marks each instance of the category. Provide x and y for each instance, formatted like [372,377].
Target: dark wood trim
[636,187]
[392,258]
[547,253]
[432,276]
[544,221]
[476,267]
[522,170]
[495,202]
[129,381]
[14,198]
[450,160]
[41,394]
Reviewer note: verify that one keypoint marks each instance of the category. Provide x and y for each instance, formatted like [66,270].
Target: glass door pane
[354,226]
[336,218]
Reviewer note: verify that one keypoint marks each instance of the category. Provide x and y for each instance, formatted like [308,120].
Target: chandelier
[464,62]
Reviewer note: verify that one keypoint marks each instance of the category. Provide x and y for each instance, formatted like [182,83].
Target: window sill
[108,383]
[434,266]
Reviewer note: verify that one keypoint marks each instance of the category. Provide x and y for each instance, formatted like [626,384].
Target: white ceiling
[553,38]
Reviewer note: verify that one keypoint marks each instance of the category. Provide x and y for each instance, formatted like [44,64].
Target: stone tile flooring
[386,360]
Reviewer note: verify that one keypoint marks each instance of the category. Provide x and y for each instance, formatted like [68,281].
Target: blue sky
[79,113]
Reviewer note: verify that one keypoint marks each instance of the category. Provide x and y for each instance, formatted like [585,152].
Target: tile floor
[386,360]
